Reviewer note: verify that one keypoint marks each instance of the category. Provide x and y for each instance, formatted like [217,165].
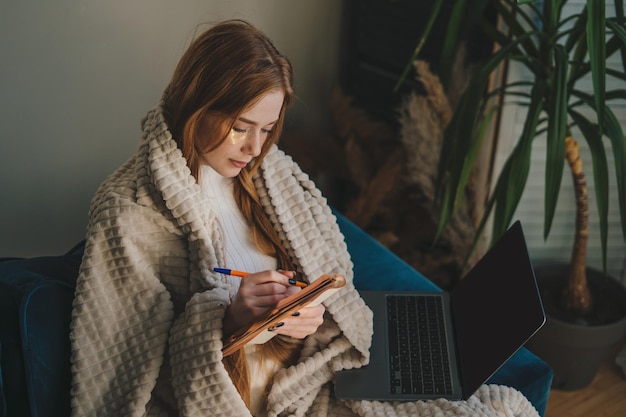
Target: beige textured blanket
[146,326]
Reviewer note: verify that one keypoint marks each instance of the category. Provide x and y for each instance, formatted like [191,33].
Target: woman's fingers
[302,324]
[265,289]
[260,292]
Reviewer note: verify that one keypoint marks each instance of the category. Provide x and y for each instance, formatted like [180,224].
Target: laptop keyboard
[417,342]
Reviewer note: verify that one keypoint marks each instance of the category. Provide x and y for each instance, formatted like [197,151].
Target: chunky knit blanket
[147,320]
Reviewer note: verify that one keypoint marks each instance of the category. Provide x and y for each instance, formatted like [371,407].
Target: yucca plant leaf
[475,145]
[617,74]
[454,150]
[617,41]
[620,21]
[456,143]
[550,16]
[589,131]
[618,30]
[586,99]
[512,180]
[557,127]
[559,6]
[521,13]
[451,40]
[492,32]
[616,135]
[615,94]
[468,108]
[583,67]
[614,130]
[420,43]
[514,89]
[464,15]
[510,186]
[577,40]
[515,28]
[596,41]
[577,31]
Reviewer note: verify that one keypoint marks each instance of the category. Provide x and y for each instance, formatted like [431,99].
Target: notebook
[487,317]
[258,332]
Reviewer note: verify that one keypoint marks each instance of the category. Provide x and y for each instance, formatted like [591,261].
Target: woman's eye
[268,131]
[240,130]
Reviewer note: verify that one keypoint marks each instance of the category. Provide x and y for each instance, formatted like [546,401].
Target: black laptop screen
[497,308]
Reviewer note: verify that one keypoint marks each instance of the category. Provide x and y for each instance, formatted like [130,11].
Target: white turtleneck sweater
[243,255]
[241,252]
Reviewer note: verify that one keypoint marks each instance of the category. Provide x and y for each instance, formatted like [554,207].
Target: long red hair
[225,70]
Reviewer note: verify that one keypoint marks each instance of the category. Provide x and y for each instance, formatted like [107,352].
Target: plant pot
[575,350]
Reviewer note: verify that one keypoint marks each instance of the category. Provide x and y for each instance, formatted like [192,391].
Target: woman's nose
[254,143]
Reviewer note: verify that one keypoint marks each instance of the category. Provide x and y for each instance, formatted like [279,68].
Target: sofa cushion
[35,305]
[375,266]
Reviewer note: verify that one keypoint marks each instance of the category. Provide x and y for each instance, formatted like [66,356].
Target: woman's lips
[238,164]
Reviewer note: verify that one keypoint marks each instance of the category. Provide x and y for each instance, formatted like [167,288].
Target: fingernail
[274,327]
[297,313]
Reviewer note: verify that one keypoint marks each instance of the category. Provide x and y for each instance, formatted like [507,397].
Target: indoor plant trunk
[576,297]
[585,309]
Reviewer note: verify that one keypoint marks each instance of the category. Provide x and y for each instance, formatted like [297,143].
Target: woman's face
[246,138]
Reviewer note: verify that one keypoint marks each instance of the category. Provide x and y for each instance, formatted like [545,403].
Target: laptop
[487,317]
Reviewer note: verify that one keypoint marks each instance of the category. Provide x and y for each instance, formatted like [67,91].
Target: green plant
[558,51]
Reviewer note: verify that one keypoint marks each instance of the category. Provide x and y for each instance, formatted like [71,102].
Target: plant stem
[576,295]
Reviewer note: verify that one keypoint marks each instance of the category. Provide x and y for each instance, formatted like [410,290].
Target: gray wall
[76,77]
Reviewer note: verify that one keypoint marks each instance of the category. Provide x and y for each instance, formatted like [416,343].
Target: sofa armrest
[377,268]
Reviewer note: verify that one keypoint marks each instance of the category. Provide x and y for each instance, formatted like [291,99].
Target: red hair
[226,70]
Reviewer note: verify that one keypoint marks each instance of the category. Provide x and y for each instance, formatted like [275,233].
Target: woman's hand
[258,293]
[303,323]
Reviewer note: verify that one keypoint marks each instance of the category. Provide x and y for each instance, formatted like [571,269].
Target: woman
[208,188]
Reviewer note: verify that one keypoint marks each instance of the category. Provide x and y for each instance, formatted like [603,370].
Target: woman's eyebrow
[252,122]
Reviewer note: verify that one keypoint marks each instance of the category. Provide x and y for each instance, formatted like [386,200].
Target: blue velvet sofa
[35,304]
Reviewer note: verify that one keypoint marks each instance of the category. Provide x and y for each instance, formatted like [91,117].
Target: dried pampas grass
[423,119]
[388,175]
